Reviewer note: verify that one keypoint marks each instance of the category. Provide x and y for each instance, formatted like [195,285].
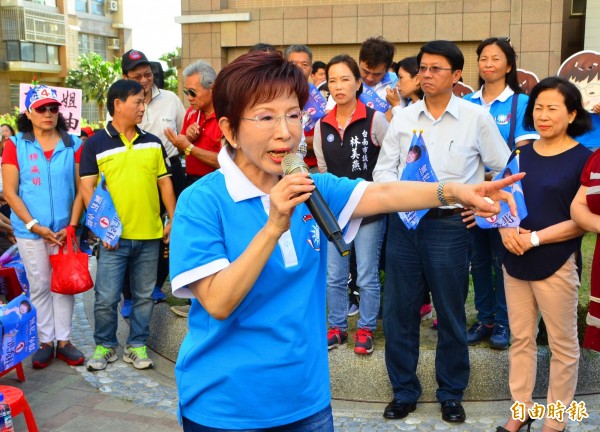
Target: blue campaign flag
[370,98]
[504,219]
[390,79]
[418,168]
[102,217]
[314,108]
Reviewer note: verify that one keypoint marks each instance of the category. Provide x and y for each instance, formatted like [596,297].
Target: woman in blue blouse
[250,255]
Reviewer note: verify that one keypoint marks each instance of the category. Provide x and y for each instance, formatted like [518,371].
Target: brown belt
[439,213]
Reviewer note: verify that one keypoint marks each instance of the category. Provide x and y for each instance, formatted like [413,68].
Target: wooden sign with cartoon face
[461,89]
[527,80]
[582,69]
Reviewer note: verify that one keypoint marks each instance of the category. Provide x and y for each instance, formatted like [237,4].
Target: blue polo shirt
[500,110]
[265,365]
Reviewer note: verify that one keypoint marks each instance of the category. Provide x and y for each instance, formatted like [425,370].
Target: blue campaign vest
[47,187]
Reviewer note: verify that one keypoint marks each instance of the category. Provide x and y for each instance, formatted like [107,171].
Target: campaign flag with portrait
[314,107]
[418,168]
[102,217]
[505,219]
[371,99]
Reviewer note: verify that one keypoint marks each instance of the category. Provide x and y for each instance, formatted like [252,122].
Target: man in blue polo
[133,163]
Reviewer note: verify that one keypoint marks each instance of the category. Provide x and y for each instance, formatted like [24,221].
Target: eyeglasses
[433,69]
[190,92]
[53,109]
[267,121]
[140,77]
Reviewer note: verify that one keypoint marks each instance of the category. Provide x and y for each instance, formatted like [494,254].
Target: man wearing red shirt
[200,138]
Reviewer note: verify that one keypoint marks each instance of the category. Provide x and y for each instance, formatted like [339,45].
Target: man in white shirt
[461,138]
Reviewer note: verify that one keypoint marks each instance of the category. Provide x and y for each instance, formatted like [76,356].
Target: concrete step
[365,379]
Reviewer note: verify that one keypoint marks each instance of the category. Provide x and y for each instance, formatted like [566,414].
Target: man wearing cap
[163,110]
[133,163]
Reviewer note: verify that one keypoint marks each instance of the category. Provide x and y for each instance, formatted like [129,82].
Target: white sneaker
[101,358]
[138,357]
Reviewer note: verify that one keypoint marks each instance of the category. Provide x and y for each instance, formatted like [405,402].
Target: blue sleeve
[197,238]
[335,190]
[520,132]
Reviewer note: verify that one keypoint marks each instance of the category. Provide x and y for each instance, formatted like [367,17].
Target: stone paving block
[85,423]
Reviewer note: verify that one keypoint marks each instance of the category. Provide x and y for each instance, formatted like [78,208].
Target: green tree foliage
[171,78]
[94,76]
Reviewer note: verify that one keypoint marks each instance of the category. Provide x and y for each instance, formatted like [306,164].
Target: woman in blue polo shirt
[251,256]
[501,95]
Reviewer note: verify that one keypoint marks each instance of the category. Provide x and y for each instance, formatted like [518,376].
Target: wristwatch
[188,150]
[31,223]
[535,240]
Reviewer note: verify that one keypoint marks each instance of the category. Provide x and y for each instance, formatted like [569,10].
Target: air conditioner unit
[114,43]
[113,5]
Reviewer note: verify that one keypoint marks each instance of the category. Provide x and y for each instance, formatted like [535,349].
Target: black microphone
[319,209]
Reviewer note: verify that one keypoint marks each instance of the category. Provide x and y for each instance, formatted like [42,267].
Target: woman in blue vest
[501,95]
[347,142]
[40,168]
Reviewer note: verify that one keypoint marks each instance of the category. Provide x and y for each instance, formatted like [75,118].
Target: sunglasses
[53,109]
[189,92]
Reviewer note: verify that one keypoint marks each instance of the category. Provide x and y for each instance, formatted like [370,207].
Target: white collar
[502,97]
[238,185]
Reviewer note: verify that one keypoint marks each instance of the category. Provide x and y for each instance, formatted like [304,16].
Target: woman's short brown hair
[255,77]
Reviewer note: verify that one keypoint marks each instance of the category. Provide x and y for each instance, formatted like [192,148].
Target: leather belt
[439,213]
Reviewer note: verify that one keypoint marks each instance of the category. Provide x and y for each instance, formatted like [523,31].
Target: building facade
[44,39]
[543,32]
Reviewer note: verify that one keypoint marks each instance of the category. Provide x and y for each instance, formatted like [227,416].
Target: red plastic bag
[70,274]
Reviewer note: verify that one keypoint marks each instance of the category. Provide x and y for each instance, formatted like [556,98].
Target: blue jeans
[319,422]
[141,257]
[434,255]
[367,246]
[487,252]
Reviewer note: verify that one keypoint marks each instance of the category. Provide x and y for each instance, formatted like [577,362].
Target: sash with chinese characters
[504,219]
[102,217]
[370,98]
[314,108]
[418,168]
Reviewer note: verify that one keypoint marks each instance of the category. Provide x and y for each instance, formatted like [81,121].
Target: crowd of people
[259,275]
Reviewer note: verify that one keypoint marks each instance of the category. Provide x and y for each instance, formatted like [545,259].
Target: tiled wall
[334,26]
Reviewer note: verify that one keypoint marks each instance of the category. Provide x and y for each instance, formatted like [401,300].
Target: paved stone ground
[69,399]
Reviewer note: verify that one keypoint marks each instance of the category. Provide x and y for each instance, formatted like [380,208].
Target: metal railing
[23,24]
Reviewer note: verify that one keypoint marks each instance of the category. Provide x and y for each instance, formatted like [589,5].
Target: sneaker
[500,337]
[353,310]
[158,296]
[354,297]
[182,311]
[70,355]
[478,332]
[138,357]
[126,308]
[363,341]
[336,337]
[101,358]
[426,312]
[43,356]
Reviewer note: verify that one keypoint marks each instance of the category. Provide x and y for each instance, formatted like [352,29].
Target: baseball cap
[40,95]
[87,131]
[131,59]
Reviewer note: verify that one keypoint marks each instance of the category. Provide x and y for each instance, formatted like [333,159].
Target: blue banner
[418,168]
[504,219]
[102,217]
[18,322]
[370,98]
[315,107]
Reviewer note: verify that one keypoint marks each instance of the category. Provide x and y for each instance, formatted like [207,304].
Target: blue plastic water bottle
[6,423]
